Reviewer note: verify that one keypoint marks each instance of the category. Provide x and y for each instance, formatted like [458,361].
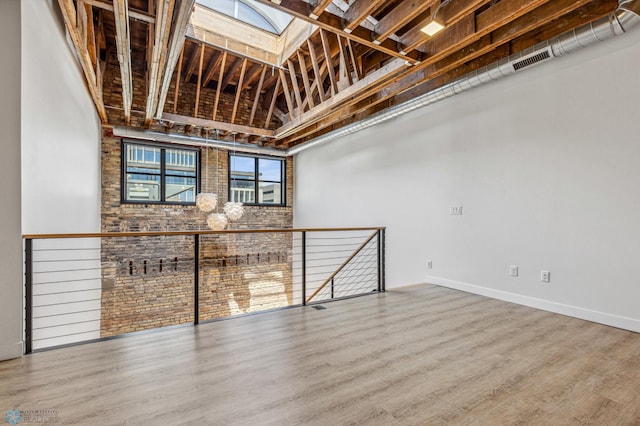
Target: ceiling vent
[532,59]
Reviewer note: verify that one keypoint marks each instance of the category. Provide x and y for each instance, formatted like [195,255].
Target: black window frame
[163,147]
[256,181]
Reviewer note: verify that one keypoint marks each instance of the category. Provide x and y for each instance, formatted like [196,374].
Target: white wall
[546,165]
[60,130]
[11,242]
[60,180]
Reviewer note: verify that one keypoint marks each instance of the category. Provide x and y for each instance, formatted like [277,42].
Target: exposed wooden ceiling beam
[210,124]
[230,73]
[176,92]
[358,11]
[178,32]
[356,66]
[236,48]
[491,19]
[200,63]
[123,46]
[212,67]
[320,6]
[527,24]
[294,83]
[334,24]
[329,60]
[255,71]
[451,14]
[256,97]
[164,14]
[272,104]
[345,63]
[90,35]
[325,107]
[287,94]
[138,15]
[401,15]
[191,65]
[305,79]
[219,85]
[238,90]
[90,74]
[316,69]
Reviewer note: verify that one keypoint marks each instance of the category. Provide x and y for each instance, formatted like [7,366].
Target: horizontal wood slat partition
[205,232]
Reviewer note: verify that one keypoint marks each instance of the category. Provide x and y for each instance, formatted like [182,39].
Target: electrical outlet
[513,270]
[545,276]
[455,210]
[429,264]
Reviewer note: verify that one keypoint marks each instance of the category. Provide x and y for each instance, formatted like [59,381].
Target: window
[256,180]
[252,13]
[159,174]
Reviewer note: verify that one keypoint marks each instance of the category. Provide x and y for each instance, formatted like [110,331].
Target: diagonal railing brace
[345,263]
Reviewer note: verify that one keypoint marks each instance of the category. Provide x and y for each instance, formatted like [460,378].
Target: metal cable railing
[84,287]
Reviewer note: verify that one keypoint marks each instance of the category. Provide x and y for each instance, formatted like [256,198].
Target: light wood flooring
[422,355]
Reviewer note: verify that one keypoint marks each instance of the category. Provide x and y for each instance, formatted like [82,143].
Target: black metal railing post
[304,268]
[379,248]
[383,285]
[196,279]
[332,294]
[28,294]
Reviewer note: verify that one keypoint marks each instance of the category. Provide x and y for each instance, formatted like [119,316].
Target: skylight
[252,13]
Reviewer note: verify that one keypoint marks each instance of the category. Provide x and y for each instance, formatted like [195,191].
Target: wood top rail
[191,232]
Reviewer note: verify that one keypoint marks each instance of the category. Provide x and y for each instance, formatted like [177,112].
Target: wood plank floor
[422,355]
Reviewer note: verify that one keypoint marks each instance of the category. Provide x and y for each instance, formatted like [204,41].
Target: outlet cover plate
[545,276]
[455,210]
[513,270]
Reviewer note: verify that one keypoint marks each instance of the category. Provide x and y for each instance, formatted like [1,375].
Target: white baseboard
[625,323]
[10,351]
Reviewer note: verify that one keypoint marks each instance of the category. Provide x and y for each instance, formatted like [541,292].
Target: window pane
[180,189]
[270,169]
[142,187]
[242,191]
[180,162]
[144,159]
[252,17]
[243,167]
[270,193]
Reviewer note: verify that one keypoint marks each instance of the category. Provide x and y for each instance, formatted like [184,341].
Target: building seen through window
[157,174]
[256,180]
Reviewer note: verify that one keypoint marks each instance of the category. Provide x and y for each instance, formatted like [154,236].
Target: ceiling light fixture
[435,25]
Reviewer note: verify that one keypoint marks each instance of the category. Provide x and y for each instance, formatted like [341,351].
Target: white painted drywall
[11,241]
[60,180]
[546,164]
[60,130]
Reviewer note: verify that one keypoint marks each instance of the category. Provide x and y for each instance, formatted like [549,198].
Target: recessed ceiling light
[433,27]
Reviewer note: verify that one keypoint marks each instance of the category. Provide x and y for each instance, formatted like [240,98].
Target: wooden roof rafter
[335,24]
[176,43]
[123,45]
[164,14]
[91,70]
[410,85]
[453,40]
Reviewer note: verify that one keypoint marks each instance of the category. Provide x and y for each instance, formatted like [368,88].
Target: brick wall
[149,282]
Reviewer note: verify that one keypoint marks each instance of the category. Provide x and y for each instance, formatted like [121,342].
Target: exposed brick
[239,273]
